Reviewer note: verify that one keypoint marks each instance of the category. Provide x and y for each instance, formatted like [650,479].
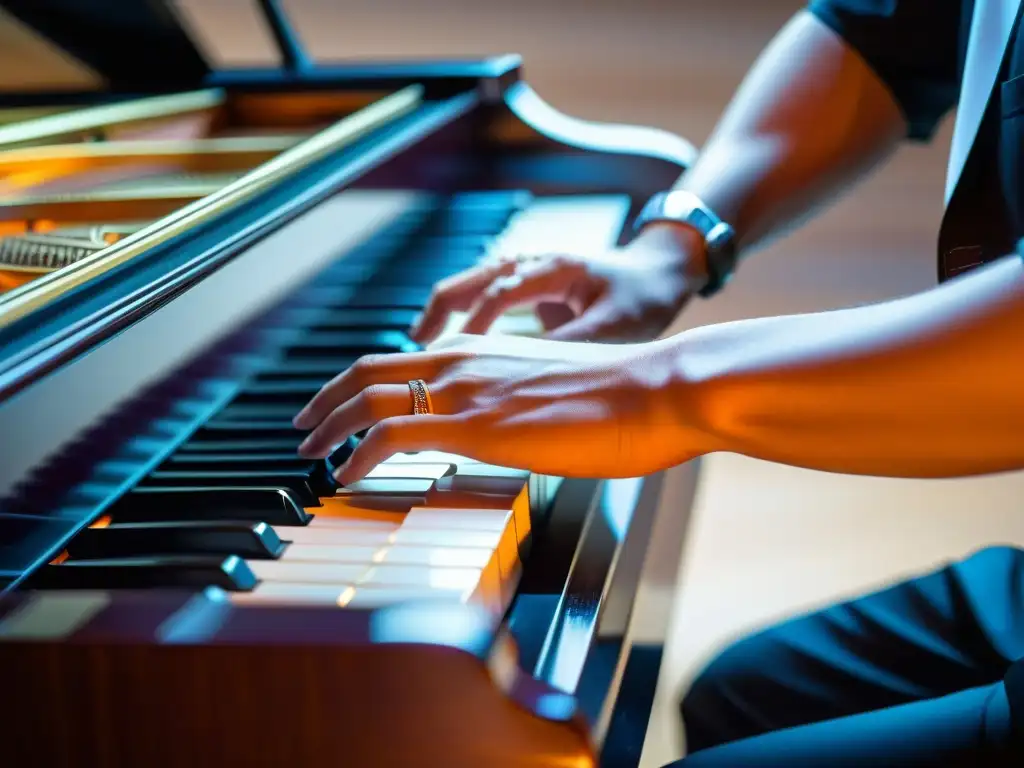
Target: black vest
[985,216]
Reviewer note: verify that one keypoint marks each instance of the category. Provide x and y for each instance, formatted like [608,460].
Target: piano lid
[134,46]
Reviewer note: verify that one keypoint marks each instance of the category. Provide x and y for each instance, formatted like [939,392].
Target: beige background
[763,540]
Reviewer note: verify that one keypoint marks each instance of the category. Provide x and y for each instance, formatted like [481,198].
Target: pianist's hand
[627,294]
[558,408]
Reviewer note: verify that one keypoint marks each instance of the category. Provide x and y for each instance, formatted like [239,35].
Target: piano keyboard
[233,506]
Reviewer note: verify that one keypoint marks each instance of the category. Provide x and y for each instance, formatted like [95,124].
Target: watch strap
[683,207]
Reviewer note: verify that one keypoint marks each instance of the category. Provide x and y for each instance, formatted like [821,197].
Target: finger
[596,323]
[366,372]
[456,293]
[401,434]
[452,341]
[545,281]
[553,314]
[368,407]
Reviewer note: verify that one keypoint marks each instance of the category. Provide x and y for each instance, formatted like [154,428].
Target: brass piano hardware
[26,257]
[23,300]
[93,122]
[128,199]
[12,115]
[198,155]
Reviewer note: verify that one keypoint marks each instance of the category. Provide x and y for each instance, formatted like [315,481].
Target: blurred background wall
[762,540]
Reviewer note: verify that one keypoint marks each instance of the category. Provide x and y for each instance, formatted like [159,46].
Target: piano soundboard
[184,270]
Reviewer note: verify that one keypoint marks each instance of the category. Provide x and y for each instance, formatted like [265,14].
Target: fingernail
[339,473]
[304,446]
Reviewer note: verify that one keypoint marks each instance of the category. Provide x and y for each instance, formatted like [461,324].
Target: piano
[187,253]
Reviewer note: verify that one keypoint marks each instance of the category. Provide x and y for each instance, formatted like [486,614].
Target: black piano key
[256,465]
[376,318]
[254,446]
[26,538]
[372,297]
[274,411]
[305,369]
[298,482]
[238,459]
[277,429]
[295,391]
[255,541]
[340,454]
[410,277]
[444,249]
[409,298]
[350,344]
[184,571]
[475,221]
[276,506]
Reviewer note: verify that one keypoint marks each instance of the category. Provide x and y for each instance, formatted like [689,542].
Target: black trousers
[913,675]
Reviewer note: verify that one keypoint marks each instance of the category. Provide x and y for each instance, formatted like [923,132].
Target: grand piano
[187,252]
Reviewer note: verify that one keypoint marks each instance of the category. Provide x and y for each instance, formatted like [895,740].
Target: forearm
[926,386]
[809,118]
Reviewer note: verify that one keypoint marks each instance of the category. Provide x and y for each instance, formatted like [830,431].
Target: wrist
[680,243]
[684,393]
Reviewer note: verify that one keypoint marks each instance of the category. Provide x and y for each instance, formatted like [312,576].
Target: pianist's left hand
[560,408]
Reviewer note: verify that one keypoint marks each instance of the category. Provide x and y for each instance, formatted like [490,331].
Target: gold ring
[421,403]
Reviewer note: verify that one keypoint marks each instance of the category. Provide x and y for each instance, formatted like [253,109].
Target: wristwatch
[682,207]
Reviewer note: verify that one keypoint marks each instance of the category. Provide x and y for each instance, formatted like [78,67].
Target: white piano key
[324,536]
[445,527]
[450,538]
[345,596]
[381,597]
[485,478]
[382,508]
[457,518]
[518,503]
[290,593]
[388,486]
[422,576]
[439,556]
[410,471]
[352,523]
[485,583]
[430,457]
[333,553]
[310,573]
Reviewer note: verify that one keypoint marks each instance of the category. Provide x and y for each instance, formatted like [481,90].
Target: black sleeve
[913,46]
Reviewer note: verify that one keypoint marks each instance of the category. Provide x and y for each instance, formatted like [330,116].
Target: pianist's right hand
[627,294]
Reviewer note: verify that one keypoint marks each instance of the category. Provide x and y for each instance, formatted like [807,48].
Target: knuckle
[494,292]
[383,435]
[371,400]
[363,367]
[560,261]
[456,390]
[439,296]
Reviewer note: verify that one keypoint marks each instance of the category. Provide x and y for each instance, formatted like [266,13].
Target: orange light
[102,522]
[60,558]
[43,225]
